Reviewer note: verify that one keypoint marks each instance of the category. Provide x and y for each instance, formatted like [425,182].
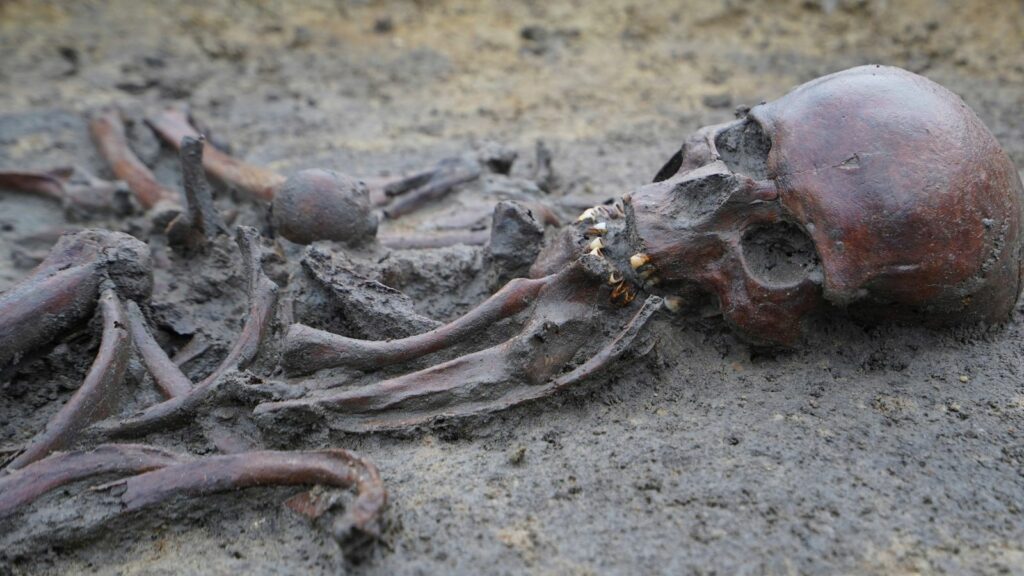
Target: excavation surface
[871,449]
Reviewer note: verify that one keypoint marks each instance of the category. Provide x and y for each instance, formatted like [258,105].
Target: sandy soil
[871,449]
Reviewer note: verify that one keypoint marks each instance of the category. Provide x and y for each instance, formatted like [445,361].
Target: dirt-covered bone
[177,410]
[324,205]
[308,211]
[98,395]
[62,291]
[161,476]
[516,238]
[307,349]
[878,209]
[566,310]
[109,135]
[199,223]
[368,308]
[80,193]
[173,126]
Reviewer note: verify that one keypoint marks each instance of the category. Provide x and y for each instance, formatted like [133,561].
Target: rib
[108,133]
[173,126]
[23,486]
[307,349]
[176,411]
[168,377]
[98,394]
[484,382]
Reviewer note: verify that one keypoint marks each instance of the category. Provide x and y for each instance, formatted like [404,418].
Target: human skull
[872,189]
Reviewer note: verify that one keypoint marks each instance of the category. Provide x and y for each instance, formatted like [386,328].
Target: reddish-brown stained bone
[469,385]
[173,126]
[564,318]
[166,374]
[163,475]
[109,135]
[98,394]
[22,486]
[308,349]
[437,187]
[333,467]
[80,194]
[61,292]
[176,411]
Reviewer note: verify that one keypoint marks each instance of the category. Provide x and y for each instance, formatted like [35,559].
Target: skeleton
[839,194]
[766,215]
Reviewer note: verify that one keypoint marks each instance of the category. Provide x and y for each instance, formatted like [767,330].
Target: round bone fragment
[324,205]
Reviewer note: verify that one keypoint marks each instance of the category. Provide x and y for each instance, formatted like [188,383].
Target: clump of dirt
[876,449]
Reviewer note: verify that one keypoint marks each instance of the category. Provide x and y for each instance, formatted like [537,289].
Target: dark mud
[871,449]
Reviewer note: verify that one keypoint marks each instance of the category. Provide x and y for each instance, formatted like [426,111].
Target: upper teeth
[638,260]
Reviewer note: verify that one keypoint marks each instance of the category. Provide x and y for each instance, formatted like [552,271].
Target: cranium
[872,188]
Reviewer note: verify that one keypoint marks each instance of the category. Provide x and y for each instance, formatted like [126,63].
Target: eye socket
[744,148]
[779,254]
[670,167]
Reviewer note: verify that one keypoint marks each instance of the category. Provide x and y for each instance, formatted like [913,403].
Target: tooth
[614,278]
[630,296]
[587,214]
[674,304]
[599,229]
[620,289]
[596,252]
[596,244]
[638,260]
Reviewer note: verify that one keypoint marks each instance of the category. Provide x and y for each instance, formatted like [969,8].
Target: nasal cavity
[744,148]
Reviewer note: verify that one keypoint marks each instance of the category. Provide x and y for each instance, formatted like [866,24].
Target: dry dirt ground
[870,449]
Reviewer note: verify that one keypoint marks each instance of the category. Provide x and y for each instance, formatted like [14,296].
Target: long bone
[80,193]
[62,291]
[108,133]
[173,125]
[161,475]
[564,318]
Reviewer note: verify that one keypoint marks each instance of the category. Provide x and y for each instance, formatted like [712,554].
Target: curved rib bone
[308,349]
[262,300]
[564,319]
[168,377]
[97,396]
[108,133]
[487,381]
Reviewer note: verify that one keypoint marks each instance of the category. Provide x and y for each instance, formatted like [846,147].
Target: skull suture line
[872,188]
